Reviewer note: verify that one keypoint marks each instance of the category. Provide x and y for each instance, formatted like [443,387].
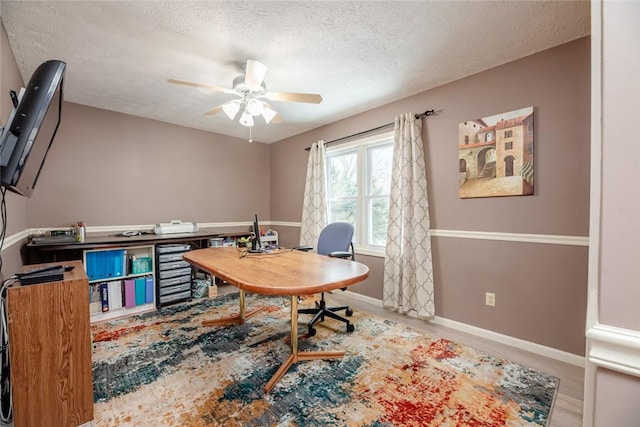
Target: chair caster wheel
[350,327]
[312,331]
[349,312]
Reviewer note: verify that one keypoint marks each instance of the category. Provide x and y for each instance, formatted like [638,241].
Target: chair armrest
[340,254]
[303,248]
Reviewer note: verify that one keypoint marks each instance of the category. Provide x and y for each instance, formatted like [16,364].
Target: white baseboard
[538,349]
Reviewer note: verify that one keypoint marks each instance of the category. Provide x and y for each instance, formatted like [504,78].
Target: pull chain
[250,138]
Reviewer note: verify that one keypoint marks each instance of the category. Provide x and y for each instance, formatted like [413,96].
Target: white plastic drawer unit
[167,274]
[173,265]
[175,297]
[174,281]
[167,290]
[170,257]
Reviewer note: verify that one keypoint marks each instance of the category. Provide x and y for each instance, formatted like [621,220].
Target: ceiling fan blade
[214,111]
[277,119]
[254,74]
[201,86]
[310,98]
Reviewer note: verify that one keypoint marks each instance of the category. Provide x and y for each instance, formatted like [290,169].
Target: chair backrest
[335,237]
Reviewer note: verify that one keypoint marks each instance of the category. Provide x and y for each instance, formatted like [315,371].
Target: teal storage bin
[141,265]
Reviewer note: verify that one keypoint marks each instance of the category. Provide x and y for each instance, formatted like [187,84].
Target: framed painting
[495,155]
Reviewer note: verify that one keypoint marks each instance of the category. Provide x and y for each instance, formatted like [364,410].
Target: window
[508,133]
[462,166]
[508,145]
[358,183]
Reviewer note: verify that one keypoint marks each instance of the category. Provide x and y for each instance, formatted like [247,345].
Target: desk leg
[297,356]
[236,319]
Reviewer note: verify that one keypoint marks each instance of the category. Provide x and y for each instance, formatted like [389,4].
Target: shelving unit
[269,239]
[126,275]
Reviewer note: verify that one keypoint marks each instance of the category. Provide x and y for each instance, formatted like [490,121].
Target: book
[104,293]
[115,294]
[95,299]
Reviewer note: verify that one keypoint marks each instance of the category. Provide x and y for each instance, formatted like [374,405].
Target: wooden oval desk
[283,272]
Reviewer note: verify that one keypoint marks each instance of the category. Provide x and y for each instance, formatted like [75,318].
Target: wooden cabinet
[50,350]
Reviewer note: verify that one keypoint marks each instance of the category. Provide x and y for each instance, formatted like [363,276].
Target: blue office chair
[334,241]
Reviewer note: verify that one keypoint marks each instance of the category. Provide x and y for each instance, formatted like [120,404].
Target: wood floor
[567,409]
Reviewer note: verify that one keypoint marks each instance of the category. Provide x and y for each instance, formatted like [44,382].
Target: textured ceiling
[357,54]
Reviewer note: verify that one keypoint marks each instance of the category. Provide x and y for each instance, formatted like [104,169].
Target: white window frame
[364,170]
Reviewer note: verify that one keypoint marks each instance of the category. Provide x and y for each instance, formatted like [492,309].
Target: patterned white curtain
[408,270]
[314,207]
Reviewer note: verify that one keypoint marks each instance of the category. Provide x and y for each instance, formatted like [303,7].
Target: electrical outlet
[490,299]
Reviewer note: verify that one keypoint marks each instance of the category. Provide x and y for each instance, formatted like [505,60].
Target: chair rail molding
[551,239]
[615,348]
[458,234]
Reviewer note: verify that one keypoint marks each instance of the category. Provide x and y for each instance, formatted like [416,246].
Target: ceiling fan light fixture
[246,119]
[255,107]
[268,114]
[231,109]
[251,89]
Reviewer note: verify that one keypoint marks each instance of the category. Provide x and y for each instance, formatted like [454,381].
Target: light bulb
[231,109]
[246,119]
[268,114]
[255,107]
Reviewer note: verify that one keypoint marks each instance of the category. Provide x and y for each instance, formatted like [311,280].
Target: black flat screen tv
[31,128]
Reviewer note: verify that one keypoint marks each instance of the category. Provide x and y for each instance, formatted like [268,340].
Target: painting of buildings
[496,155]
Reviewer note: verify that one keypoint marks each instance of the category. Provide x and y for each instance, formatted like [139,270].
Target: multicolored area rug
[164,368]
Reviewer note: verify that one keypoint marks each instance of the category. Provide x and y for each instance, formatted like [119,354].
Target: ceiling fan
[252,93]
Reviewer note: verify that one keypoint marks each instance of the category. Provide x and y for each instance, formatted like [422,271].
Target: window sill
[370,252]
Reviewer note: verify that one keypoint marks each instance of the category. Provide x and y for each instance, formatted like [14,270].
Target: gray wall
[109,168]
[16,205]
[540,289]
[617,272]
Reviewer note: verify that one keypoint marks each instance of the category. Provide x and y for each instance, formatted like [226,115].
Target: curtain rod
[364,132]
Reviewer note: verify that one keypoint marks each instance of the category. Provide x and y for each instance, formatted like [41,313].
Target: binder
[116,262]
[90,265]
[108,263]
[129,293]
[104,293]
[100,265]
[149,289]
[140,290]
[125,263]
[115,294]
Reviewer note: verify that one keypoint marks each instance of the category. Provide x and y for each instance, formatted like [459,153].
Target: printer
[175,227]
